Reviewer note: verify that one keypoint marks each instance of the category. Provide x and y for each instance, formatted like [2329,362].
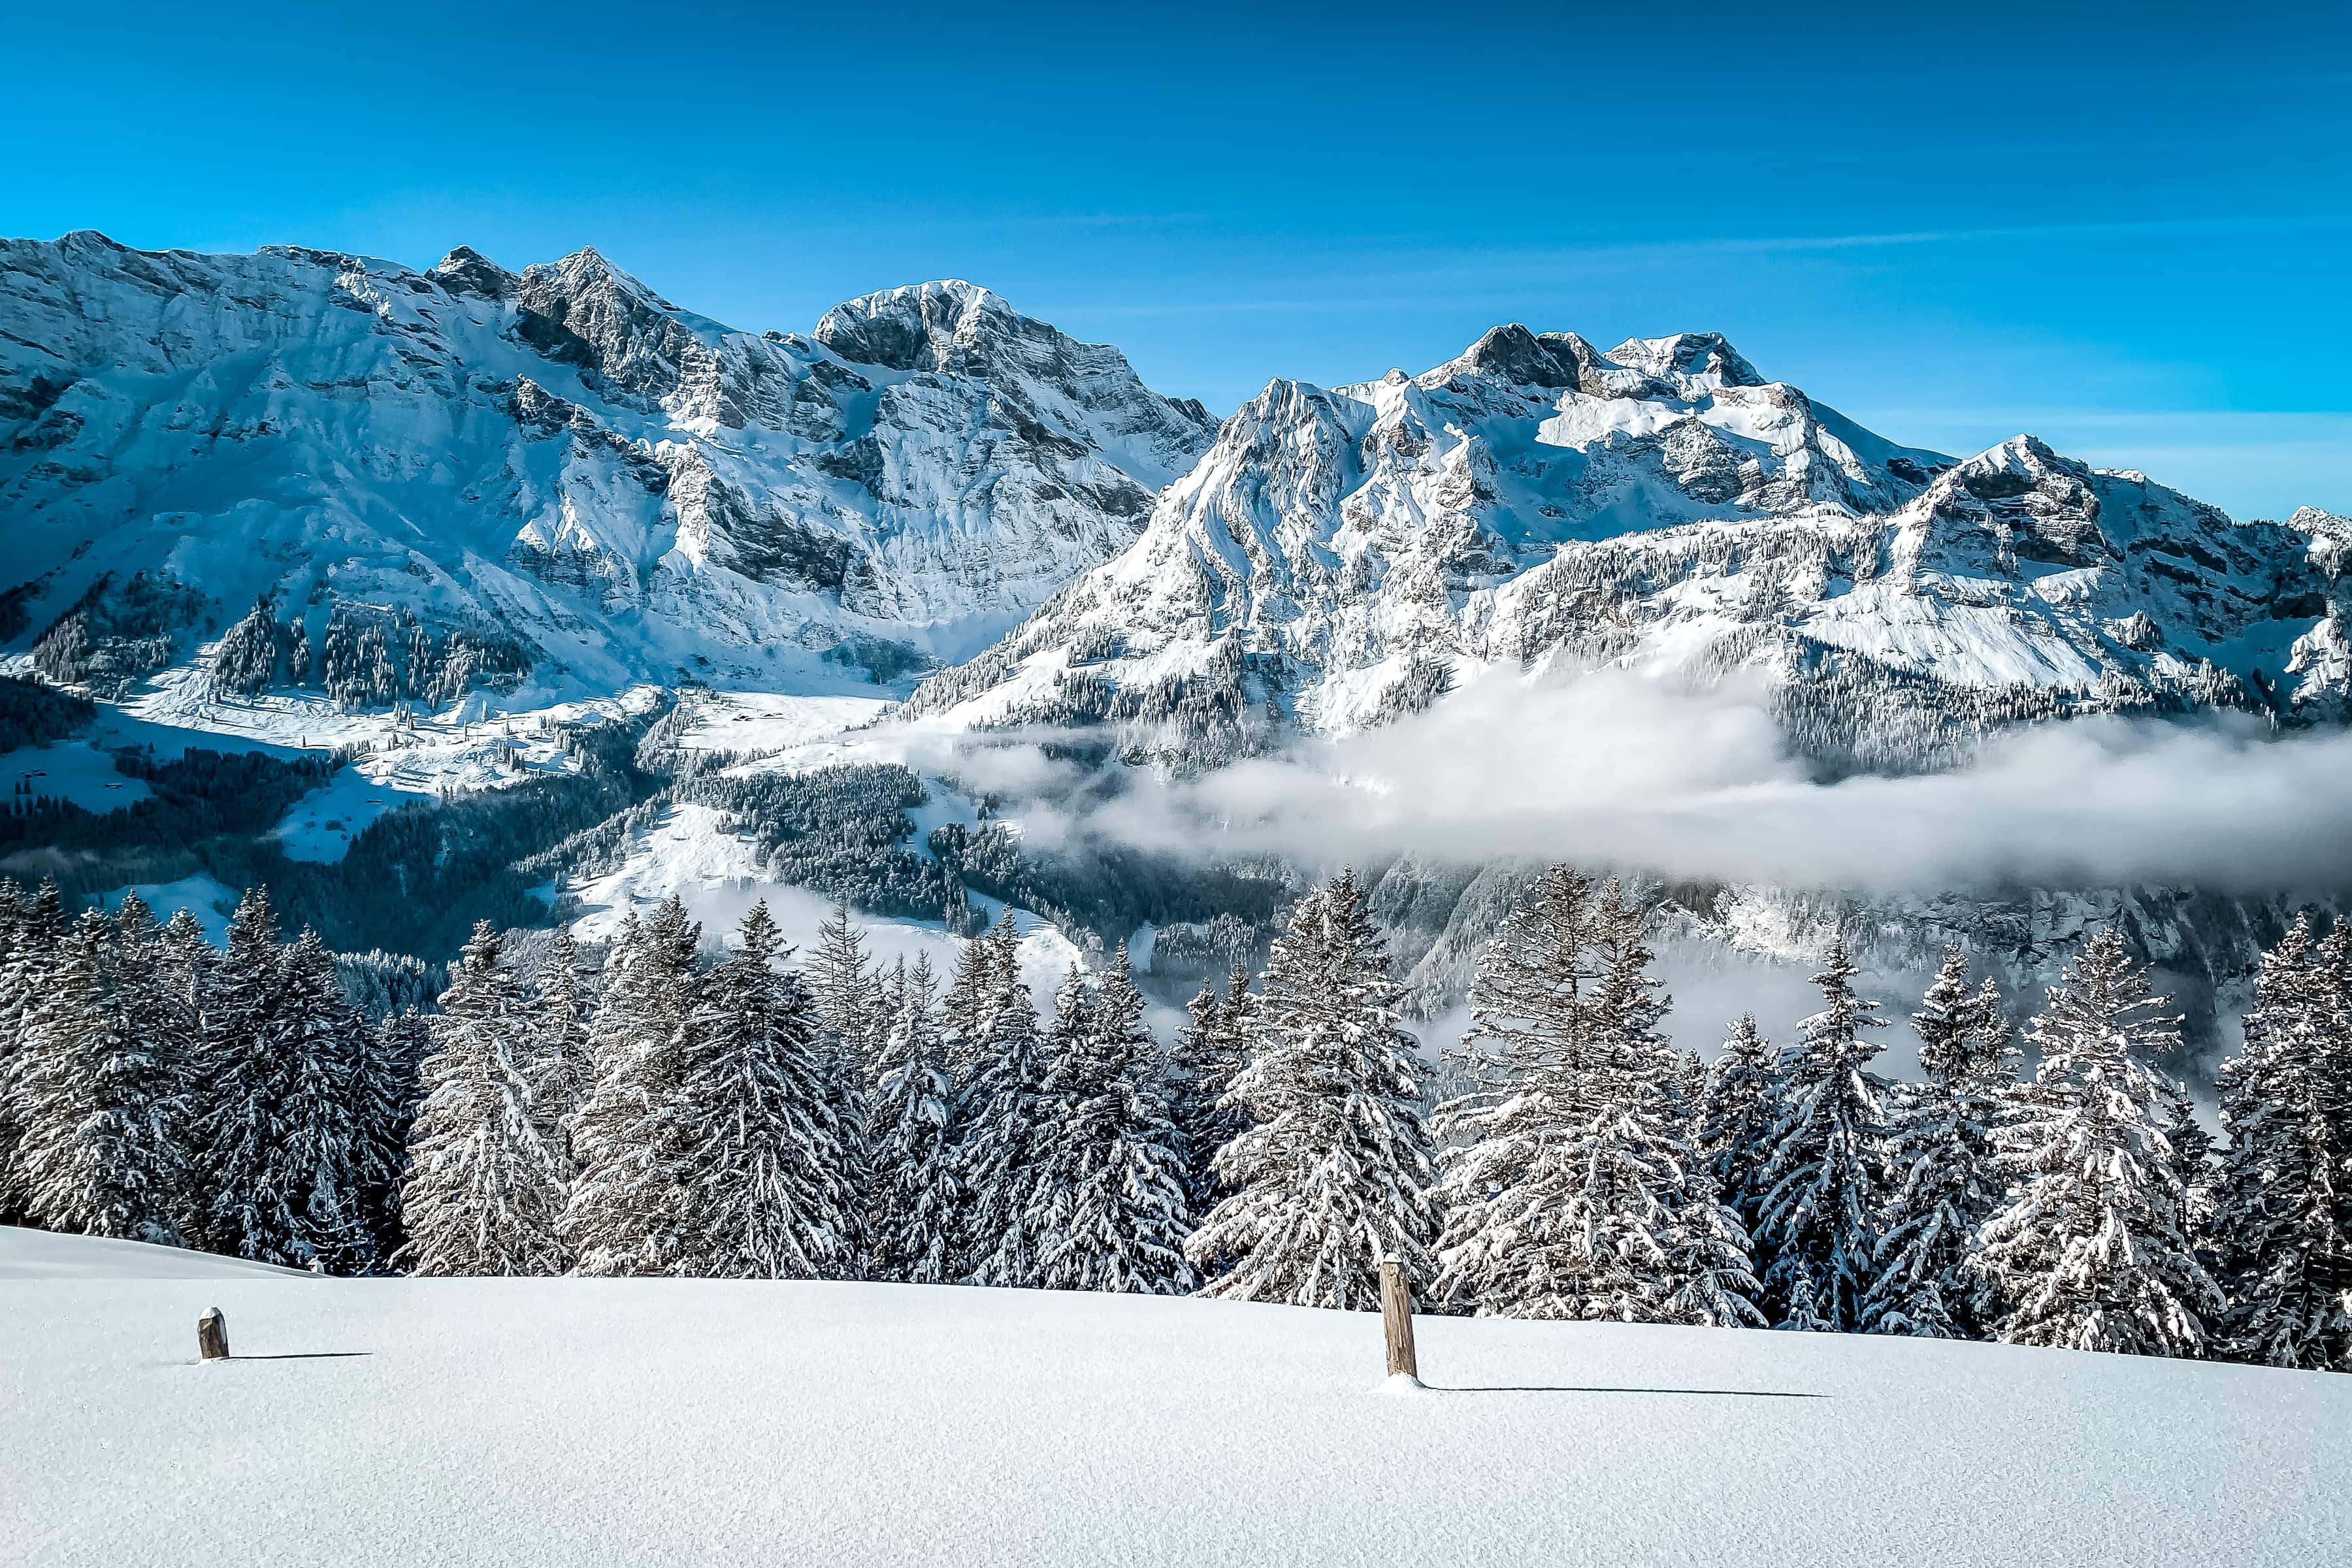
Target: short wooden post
[212,1336]
[1396,1319]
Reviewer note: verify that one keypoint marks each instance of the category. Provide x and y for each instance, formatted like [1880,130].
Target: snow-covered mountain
[577,476]
[1338,557]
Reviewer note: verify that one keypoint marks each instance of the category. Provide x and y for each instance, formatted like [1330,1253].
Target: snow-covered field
[69,771]
[766,722]
[669,1421]
[40,1255]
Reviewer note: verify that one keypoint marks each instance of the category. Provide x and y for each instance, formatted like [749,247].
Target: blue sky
[2126,228]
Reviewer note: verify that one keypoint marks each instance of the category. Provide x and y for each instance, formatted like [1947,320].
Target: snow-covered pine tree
[766,1167]
[277,1117]
[964,1021]
[486,1184]
[1116,1214]
[385,1097]
[2284,1198]
[1335,1170]
[321,1127]
[849,996]
[1209,1053]
[184,960]
[1706,1276]
[559,1065]
[1736,1115]
[1825,1180]
[104,1129]
[627,1212]
[1000,1119]
[33,926]
[1942,1179]
[237,1084]
[1574,1188]
[912,1197]
[2193,1158]
[2091,1248]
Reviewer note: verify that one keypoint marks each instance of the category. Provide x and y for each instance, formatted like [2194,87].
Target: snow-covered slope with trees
[470,474]
[557,1421]
[1339,558]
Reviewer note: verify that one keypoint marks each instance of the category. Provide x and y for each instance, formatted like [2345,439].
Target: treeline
[154,1090]
[32,711]
[365,657]
[751,1117]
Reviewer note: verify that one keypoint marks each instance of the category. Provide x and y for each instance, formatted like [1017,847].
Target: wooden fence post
[1396,1319]
[212,1336]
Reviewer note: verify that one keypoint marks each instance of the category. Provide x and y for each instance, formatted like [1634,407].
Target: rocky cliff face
[560,457]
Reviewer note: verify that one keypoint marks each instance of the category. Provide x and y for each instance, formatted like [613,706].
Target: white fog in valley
[1612,768]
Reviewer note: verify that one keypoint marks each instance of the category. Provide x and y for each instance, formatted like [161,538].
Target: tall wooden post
[212,1336]
[1396,1319]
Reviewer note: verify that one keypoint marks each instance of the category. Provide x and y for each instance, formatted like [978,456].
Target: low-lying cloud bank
[1614,769]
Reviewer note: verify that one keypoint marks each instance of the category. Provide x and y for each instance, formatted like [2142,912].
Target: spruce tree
[849,1004]
[102,1151]
[1334,1170]
[1825,1180]
[560,1063]
[628,1211]
[34,926]
[386,1097]
[1208,1055]
[1115,1212]
[766,1170]
[964,1016]
[1574,1186]
[2090,1249]
[321,1126]
[1738,1113]
[486,1184]
[2284,1197]
[999,1121]
[279,1129]
[912,1199]
[1943,1183]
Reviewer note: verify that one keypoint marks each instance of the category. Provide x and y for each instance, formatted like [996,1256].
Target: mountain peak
[918,326]
[1706,358]
[1512,352]
[465,271]
[587,270]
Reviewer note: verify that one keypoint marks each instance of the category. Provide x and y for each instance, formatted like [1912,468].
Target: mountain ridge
[1535,503]
[559,456]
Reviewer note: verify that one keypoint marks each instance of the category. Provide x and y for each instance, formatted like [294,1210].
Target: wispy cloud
[1418,269]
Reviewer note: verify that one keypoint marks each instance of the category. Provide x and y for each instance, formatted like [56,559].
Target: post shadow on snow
[1576,1388]
[300,1355]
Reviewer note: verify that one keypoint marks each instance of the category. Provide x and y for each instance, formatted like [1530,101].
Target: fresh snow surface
[762,723]
[559,1421]
[71,771]
[42,1254]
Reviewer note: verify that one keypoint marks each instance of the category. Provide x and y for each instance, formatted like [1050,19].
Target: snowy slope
[559,456]
[688,853]
[1338,554]
[537,1421]
[44,1255]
